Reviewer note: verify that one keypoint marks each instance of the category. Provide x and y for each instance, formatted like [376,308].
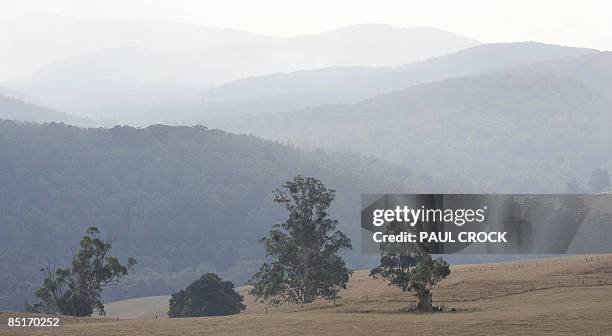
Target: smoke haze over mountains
[173,135]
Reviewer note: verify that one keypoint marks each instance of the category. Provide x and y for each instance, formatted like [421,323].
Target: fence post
[506,291]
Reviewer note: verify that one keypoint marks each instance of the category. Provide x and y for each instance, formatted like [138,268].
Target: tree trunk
[307,296]
[424,305]
[307,285]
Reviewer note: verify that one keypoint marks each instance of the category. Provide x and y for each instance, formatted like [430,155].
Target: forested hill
[518,132]
[182,200]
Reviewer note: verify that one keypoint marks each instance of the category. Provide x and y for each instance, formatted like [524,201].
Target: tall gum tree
[304,249]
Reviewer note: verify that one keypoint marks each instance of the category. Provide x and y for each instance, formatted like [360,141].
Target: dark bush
[207,296]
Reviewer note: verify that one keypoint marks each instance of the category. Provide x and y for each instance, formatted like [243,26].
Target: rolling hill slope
[517,132]
[371,307]
[92,79]
[467,283]
[38,39]
[284,92]
[593,69]
[15,107]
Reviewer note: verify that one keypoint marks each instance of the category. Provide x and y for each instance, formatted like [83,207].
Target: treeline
[304,258]
[182,200]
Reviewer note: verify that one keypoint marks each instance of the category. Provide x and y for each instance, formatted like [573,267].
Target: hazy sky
[578,23]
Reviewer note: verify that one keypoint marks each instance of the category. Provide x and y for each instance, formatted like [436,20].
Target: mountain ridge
[94,74]
[297,90]
[457,126]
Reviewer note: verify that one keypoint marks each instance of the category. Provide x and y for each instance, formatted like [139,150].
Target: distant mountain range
[39,39]
[517,130]
[461,63]
[98,82]
[366,109]
[284,92]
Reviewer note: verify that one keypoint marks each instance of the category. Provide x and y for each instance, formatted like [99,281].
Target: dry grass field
[556,296]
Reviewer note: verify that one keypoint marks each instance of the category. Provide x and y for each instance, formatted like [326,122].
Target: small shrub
[207,296]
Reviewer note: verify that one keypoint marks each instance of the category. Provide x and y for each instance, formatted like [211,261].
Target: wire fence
[480,282]
[513,284]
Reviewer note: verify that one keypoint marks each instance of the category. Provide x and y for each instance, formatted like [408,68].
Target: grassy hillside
[467,283]
[558,303]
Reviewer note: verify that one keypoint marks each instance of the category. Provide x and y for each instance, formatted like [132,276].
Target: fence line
[527,287]
[523,264]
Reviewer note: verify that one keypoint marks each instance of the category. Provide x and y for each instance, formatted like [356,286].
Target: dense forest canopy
[519,132]
[182,200]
